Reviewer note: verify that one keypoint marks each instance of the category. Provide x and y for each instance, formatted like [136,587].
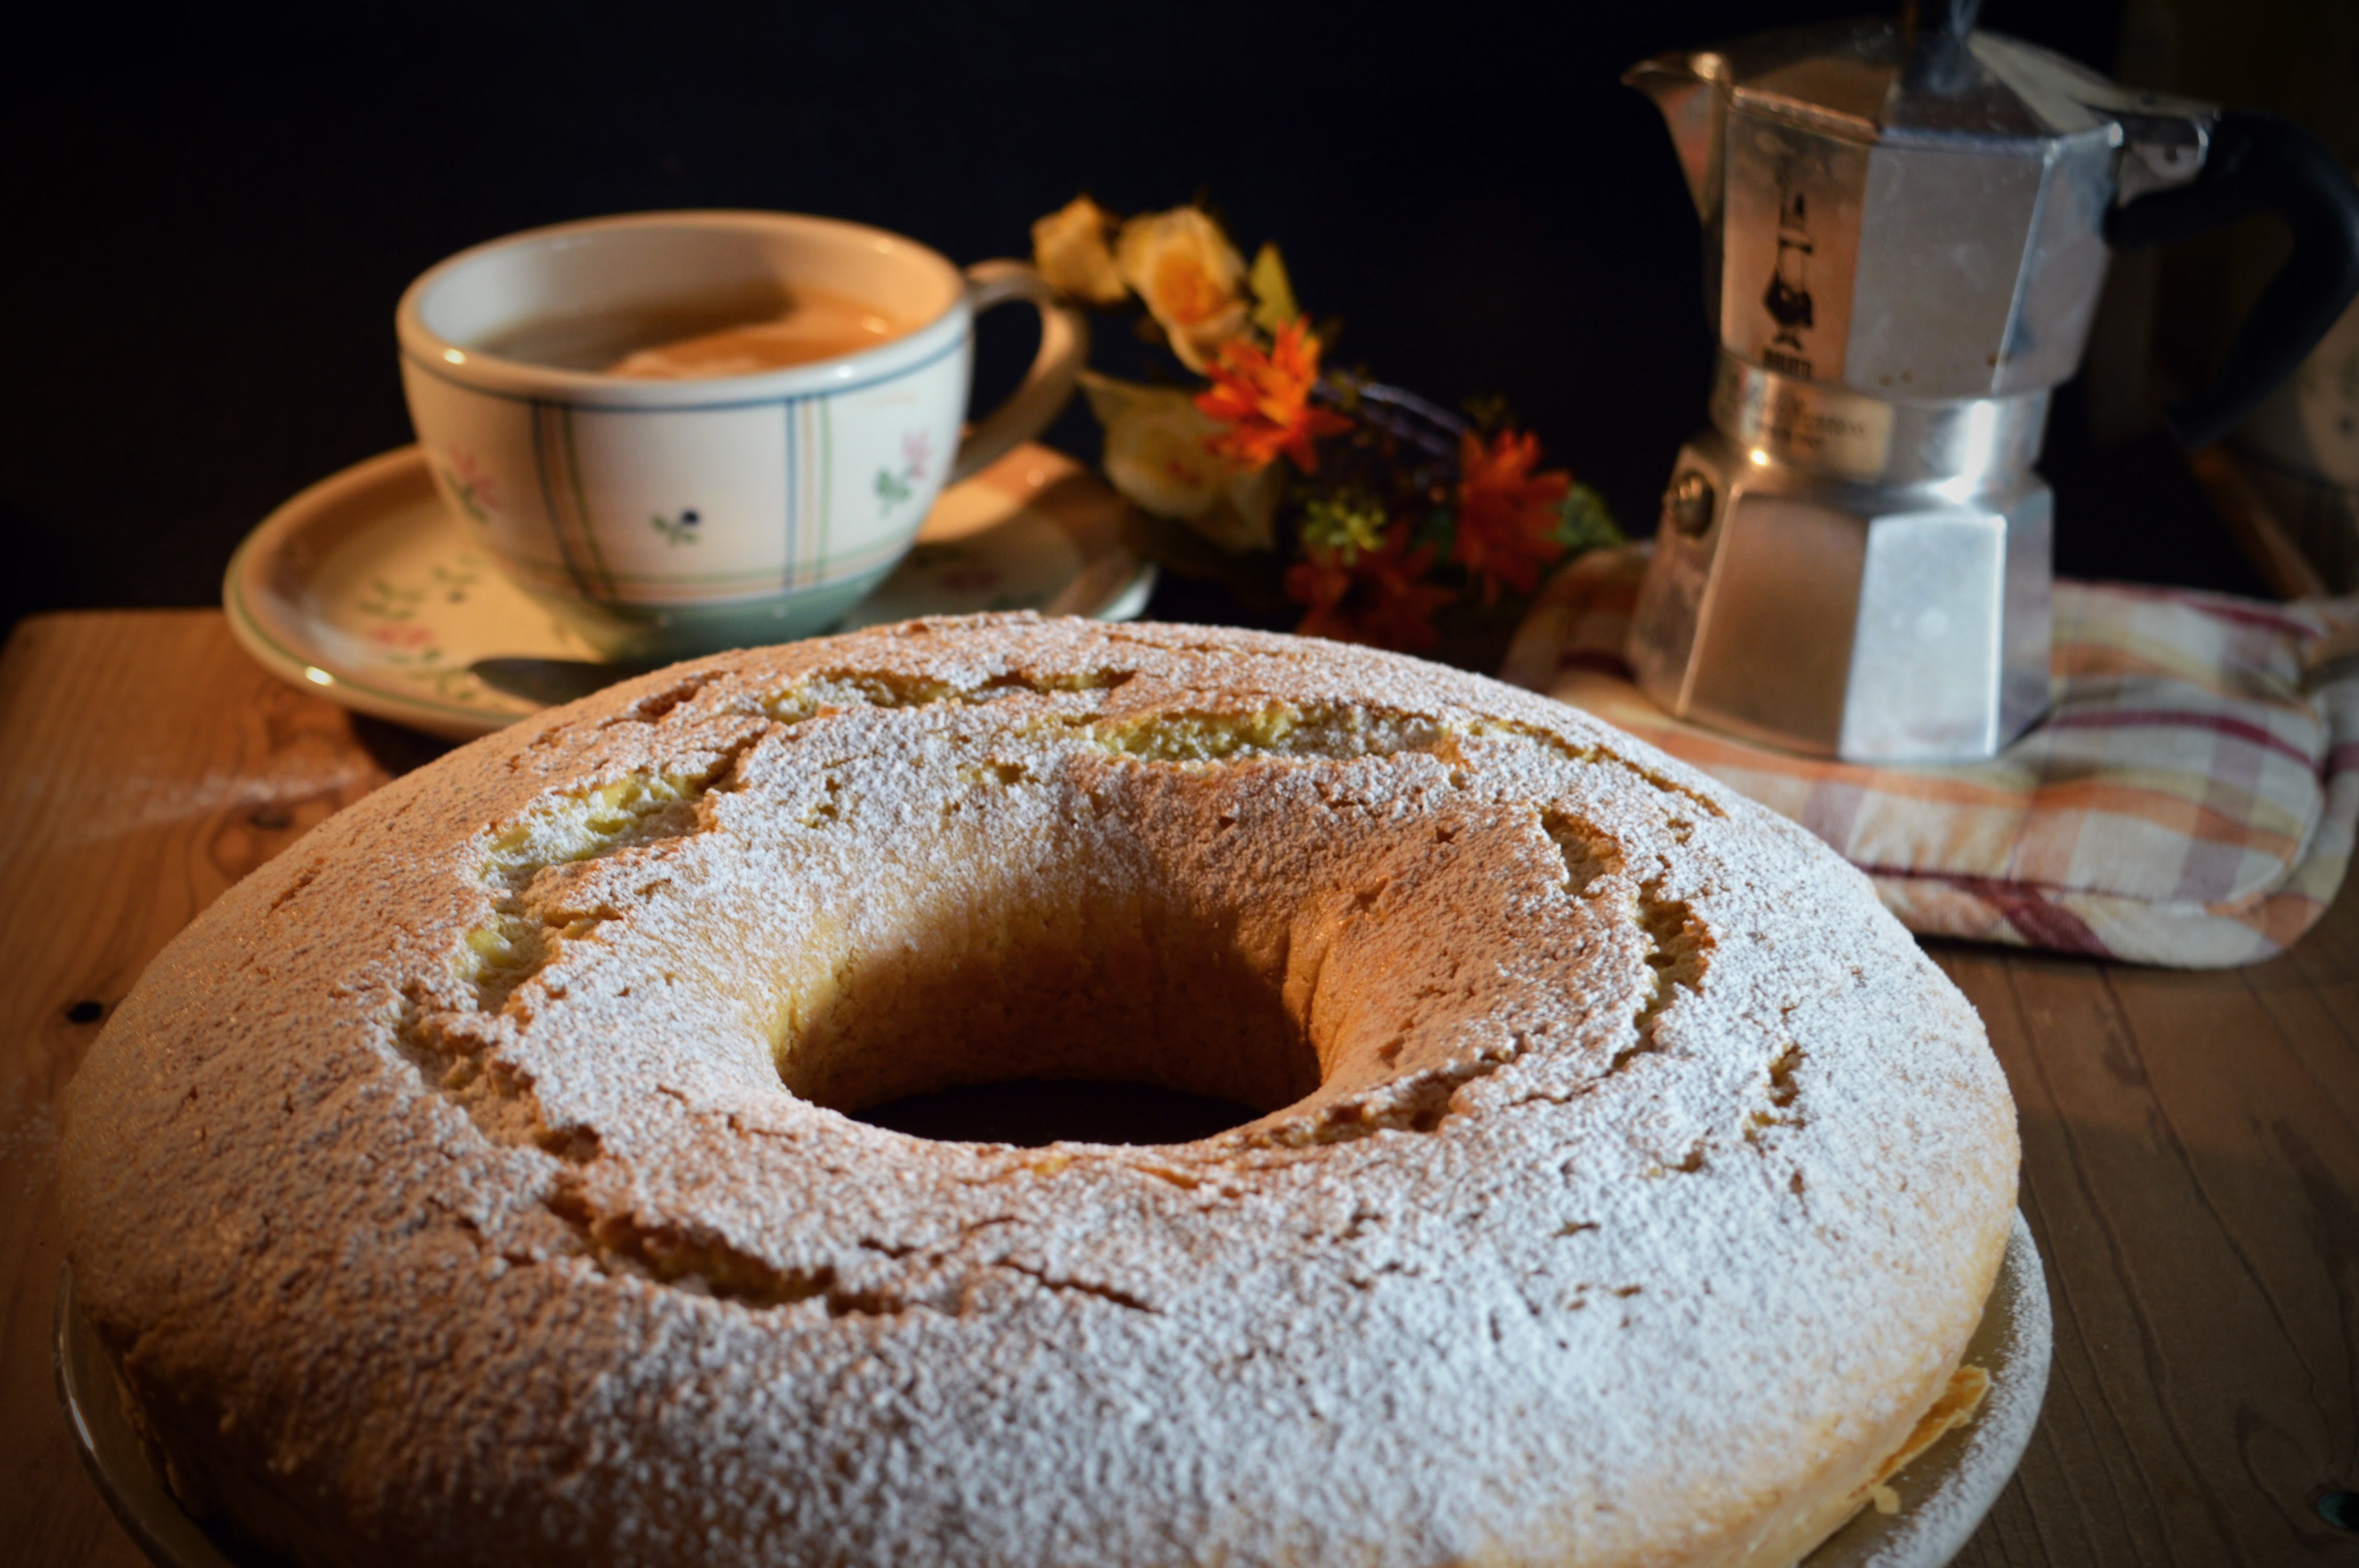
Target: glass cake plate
[1943,1495]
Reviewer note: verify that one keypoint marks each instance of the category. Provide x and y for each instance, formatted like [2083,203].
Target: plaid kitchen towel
[2185,802]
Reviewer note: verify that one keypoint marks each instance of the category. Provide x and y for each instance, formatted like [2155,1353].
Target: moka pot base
[1850,575]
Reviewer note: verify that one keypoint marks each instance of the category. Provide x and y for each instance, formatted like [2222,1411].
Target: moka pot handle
[2258,163]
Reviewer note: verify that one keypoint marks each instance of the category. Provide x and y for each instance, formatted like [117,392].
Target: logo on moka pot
[1789,286]
[1788,298]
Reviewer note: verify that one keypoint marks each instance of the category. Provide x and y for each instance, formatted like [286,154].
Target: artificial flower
[1508,518]
[1263,401]
[1369,525]
[1069,247]
[1190,278]
[1378,596]
[1160,455]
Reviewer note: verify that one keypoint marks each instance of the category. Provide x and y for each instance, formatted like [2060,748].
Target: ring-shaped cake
[473,1183]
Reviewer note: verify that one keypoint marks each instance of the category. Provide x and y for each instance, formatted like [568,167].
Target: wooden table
[2191,1141]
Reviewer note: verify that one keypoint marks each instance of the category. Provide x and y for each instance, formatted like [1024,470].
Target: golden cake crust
[464,1185]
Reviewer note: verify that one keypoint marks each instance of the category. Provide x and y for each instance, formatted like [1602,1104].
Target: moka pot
[1906,229]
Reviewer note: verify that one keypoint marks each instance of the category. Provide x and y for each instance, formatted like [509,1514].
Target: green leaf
[1274,304]
[1585,522]
[1438,530]
[1491,413]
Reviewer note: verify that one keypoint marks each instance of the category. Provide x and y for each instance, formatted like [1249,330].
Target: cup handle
[1064,345]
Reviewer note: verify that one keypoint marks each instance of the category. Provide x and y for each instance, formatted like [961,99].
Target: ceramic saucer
[363,589]
[1943,1495]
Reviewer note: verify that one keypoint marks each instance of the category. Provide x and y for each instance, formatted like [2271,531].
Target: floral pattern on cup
[917,458]
[681,530]
[470,484]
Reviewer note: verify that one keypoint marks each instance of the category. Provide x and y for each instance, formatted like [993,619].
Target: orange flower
[1376,596]
[1264,399]
[1508,516]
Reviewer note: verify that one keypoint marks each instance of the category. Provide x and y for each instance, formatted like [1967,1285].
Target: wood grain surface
[2191,1141]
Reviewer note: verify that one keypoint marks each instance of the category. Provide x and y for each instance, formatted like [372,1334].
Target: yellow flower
[1191,277]
[1157,454]
[1069,247]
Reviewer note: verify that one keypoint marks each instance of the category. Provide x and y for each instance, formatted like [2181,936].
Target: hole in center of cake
[1030,1112]
[1090,1015]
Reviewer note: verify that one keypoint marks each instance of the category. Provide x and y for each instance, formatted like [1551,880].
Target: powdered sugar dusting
[1625,1174]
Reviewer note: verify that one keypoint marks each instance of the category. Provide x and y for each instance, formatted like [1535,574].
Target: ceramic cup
[669,518]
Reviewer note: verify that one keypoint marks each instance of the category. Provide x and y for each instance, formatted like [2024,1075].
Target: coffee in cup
[703,339]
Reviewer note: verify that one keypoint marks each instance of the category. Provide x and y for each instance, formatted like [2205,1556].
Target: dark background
[212,218]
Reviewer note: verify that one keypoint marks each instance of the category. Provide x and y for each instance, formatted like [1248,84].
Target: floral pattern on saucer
[404,628]
[365,589]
